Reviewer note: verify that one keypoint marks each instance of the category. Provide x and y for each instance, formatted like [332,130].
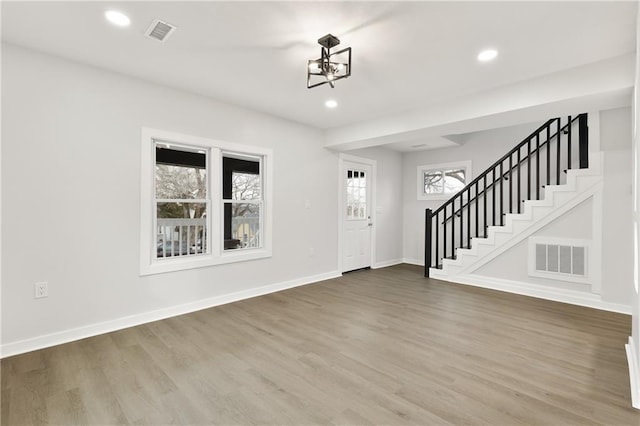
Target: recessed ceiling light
[331,103]
[117,18]
[487,55]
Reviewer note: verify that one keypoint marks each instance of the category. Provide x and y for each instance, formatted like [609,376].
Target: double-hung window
[242,200]
[203,203]
[182,201]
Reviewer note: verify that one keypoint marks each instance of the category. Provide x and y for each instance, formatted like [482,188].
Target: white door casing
[357,215]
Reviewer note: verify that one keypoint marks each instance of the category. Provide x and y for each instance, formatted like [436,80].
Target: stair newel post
[559,133]
[569,143]
[427,239]
[583,141]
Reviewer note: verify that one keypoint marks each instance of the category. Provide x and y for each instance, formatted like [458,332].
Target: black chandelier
[331,66]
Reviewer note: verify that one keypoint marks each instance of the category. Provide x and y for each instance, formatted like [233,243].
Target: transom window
[203,202]
[440,181]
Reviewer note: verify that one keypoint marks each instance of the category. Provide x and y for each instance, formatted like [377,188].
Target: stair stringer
[559,199]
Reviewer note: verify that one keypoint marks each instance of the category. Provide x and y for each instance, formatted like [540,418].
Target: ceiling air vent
[160,30]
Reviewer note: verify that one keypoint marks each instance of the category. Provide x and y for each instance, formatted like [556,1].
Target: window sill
[180,264]
[436,197]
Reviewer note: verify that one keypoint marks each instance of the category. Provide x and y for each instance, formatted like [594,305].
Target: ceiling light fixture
[330,66]
[487,55]
[331,103]
[117,18]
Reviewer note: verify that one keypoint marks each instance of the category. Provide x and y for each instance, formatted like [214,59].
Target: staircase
[541,178]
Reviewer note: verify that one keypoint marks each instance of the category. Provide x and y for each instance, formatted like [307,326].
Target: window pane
[245,226]
[453,181]
[180,174]
[433,183]
[245,186]
[181,229]
[242,181]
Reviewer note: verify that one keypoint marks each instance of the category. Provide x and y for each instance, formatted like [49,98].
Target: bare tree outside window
[177,182]
[444,181]
[181,202]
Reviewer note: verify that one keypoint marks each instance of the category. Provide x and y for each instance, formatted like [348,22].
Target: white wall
[617,203]
[482,148]
[633,355]
[512,265]
[389,204]
[616,250]
[71,199]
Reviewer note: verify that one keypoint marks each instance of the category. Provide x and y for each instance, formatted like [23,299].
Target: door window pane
[356,195]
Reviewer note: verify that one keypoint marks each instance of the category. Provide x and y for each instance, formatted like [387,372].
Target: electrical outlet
[42,290]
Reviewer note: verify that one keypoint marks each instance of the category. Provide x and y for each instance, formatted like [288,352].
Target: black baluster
[549,154]
[469,217]
[453,227]
[493,197]
[437,239]
[559,125]
[501,194]
[538,166]
[511,183]
[569,144]
[444,232]
[529,169]
[484,222]
[477,208]
[519,184]
[461,221]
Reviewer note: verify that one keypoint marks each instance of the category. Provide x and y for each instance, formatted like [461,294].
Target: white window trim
[216,256]
[466,165]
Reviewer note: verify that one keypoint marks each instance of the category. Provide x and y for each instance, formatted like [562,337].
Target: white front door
[357,214]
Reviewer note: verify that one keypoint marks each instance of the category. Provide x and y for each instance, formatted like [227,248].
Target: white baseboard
[573,297]
[632,360]
[386,263]
[410,261]
[65,336]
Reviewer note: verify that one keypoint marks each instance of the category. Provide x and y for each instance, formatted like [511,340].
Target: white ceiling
[406,55]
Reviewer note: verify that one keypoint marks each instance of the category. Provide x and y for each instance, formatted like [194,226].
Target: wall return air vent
[559,259]
[160,30]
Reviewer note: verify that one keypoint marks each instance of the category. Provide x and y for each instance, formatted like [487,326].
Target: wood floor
[373,347]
